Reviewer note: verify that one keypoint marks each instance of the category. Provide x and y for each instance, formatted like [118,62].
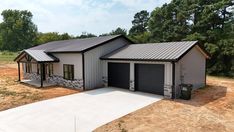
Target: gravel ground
[211,109]
[13,94]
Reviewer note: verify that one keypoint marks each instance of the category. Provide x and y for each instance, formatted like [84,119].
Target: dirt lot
[13,94]
[211,109]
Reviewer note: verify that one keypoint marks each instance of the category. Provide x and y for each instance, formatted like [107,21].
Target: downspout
[83,70]
[42,69]
[173,81]
[205,71]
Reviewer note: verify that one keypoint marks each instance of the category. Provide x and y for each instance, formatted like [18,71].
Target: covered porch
[37,66]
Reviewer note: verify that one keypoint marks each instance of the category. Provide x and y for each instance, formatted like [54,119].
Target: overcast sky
[77,16]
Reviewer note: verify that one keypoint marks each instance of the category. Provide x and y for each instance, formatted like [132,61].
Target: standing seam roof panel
[40,55]
[154,51]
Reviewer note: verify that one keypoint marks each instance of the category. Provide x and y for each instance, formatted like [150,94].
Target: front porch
[37,67]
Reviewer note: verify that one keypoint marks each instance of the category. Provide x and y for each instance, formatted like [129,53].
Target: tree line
[211,22]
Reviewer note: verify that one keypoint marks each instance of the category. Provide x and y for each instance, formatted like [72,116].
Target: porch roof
[37,55]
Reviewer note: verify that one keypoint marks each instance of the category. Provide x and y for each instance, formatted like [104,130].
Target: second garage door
[149,78]
[119,75]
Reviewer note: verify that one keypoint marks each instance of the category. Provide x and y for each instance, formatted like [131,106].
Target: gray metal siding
[69,58]
[94,66]
[191,70]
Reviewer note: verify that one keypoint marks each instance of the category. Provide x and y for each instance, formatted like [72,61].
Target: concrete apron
[82,112]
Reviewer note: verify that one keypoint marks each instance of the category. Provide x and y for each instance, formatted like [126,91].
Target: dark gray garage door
[149,78]
[119,75]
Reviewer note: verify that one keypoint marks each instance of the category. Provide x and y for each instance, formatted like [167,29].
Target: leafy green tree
[86,35]
[51,36]
[209,21]
[140,23]
[47,37]
[119,31]
[141,38]
[66,36]
[104,34]
[17,30]
[170,22]
[1,46]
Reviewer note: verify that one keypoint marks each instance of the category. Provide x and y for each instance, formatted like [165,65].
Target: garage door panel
[149,78]
[119,75]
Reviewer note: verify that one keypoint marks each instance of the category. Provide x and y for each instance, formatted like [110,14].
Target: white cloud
[76,16]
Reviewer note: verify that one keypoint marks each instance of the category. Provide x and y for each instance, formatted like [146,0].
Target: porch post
[19,71]
[41,74]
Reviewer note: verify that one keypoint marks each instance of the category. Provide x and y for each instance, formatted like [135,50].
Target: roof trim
[202,50]
[124,59]
[24,52]
[103,43]
[181,56]
[100,44]
[17,57]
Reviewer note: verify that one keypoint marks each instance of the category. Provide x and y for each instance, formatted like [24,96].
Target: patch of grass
[4,92]
[30,96]
[6,56]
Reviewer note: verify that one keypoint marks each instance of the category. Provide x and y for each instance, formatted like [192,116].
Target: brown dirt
[211,109]
[13,93]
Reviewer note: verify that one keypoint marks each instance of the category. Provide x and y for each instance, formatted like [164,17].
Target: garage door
[149,78]
[118,75]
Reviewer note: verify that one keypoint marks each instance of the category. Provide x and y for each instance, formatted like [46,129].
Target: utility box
[186,91]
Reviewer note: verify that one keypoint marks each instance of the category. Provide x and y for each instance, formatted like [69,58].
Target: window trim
[51,69]
[70,72]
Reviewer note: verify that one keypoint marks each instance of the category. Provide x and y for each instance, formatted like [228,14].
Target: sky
[77,16]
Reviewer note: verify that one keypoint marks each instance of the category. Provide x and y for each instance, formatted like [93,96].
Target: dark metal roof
[167,51]
[38,55]
[75,45]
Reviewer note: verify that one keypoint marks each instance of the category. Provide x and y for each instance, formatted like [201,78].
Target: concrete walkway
[80,112]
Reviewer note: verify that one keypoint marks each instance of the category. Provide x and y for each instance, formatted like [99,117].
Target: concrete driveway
[74,113]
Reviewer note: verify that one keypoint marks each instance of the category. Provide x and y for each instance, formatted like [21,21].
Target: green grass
[6,56]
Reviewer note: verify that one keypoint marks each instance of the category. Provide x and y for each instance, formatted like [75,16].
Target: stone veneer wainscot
[58,80]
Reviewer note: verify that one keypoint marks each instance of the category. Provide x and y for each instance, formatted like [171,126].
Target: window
[28,67]
[68,72]
[51,69]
